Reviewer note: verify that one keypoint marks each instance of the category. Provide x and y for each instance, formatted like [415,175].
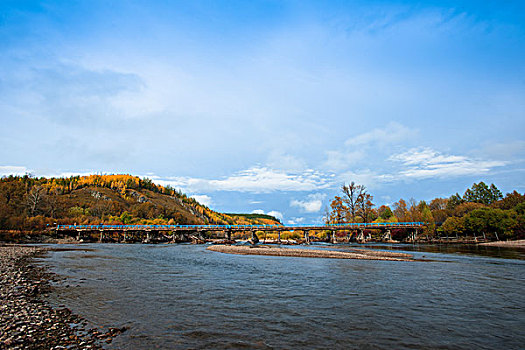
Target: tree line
[481,211]
[30,203]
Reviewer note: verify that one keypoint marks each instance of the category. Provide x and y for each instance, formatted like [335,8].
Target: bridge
[174,233]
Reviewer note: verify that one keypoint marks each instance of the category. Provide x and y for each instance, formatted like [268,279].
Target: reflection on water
[182,296]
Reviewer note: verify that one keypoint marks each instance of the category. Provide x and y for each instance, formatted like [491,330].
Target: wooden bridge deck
[237,228]
[184,233]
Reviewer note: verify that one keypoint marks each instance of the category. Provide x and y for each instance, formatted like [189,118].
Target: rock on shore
[26,320]
[313,253]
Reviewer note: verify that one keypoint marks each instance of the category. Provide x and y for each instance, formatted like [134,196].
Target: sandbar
[312,253]
[511,244]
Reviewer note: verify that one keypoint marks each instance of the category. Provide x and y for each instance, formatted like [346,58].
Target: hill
[28,203]
[263,218]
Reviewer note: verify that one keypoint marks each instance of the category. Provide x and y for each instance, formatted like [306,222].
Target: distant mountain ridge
[29,203]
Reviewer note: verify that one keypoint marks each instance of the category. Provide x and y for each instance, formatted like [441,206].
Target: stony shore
[27,321]
[312,253]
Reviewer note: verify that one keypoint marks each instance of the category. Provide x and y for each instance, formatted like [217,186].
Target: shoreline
[520,243]
[362,254]
[27,320]
[26,237]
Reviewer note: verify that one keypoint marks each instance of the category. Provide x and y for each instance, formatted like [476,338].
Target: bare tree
[326,215]
[337,213]
[52,205]
[353,196]
[365,206]
[35,200]
[100,209]
[415,214]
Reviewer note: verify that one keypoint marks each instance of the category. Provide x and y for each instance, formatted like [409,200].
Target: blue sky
[267,106]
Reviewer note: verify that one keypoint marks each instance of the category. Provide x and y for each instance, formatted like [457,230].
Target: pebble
[27,321]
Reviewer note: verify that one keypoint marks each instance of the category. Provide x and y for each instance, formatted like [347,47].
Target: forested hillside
[28,203]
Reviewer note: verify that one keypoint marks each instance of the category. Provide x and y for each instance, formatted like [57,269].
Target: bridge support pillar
[361,236]
[278,236]
[101,238]
[228,235]
[254,239]
[387,236]
[413,236]
[334,237]
[307,237]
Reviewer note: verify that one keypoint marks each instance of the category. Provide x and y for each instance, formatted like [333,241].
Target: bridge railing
[160,226]
[376,224]
[174,227]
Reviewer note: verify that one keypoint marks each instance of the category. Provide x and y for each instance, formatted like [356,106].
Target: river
[183,296]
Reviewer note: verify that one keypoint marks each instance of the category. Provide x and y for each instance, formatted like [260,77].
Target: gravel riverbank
[27,321]
[510,244]
[312,253]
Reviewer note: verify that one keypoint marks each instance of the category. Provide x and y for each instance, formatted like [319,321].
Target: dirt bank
[312,253]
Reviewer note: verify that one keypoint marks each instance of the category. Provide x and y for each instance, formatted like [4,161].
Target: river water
[183,296]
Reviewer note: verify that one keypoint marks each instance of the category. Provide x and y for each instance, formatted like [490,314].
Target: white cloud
[295,221]
[274,213]
[6,170]
[279,160]
[75,173]
[256,179]
[367,177]
[425,163]
[312,204]
[337,160]
[359,147]
[203,199]
[392,133]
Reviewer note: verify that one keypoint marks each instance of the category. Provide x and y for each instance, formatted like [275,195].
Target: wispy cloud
[505,150]
[67,93]
[312,204]
[427,163]
[359,147]
[6,170]
[392,133]
[255,179]
[337,160]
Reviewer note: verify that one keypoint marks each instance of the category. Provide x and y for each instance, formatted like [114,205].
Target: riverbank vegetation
[31,204]
[482,211]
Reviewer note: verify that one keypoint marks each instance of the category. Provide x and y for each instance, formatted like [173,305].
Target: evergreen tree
[481,193]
